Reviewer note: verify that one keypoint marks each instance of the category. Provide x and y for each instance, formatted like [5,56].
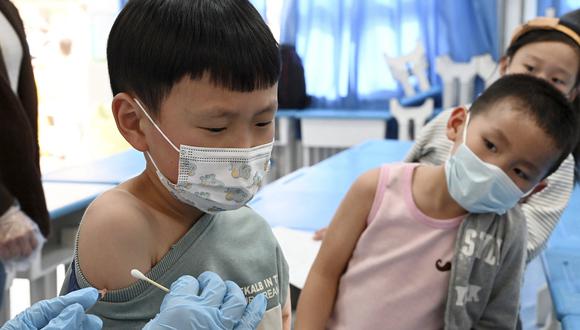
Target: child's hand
[319,234]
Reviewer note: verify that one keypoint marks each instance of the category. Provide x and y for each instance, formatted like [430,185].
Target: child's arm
[317,297]
[287,312]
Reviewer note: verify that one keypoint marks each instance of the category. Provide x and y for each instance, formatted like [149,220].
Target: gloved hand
[253,314]
[65,312]
[219,306]
[17,234]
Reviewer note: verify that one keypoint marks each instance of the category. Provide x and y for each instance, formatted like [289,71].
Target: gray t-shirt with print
[238,245]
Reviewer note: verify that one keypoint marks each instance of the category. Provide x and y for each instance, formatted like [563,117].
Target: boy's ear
[539,187]
[455,123]
[128,117]
[503,64]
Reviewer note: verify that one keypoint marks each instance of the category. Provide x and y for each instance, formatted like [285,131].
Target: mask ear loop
[466,124]
[464,133]
[160,131]
[529,193]
[154,124]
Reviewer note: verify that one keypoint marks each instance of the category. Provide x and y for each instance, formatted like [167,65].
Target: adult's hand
[17,234]
[207,303]
[64,312]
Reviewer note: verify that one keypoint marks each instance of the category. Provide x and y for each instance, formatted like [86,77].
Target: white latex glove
[17,234]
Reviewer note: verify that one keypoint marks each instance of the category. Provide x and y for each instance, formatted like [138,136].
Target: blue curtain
[561,6]
[260,6]
[342,42]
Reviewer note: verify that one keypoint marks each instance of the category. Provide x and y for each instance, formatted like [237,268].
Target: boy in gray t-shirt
[195,85]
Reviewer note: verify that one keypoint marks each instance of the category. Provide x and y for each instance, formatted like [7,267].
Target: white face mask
[216,179]
[477,186]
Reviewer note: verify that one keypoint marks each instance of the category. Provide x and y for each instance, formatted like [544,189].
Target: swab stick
[138,275]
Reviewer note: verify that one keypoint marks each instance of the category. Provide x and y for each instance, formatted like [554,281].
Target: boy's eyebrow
[499,134]
[219,112]
[270,108]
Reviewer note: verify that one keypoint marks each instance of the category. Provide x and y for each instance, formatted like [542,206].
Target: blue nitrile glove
[253,314]
[219,306]
[64,312]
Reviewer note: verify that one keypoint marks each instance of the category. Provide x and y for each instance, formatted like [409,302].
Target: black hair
[153,44]
[539,99]
[572,20]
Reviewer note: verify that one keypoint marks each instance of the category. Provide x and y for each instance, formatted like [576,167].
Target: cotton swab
[102,294]
[138,275]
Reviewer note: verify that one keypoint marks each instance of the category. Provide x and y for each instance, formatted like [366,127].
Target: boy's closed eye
[221,129]
[214,129]
[264,123]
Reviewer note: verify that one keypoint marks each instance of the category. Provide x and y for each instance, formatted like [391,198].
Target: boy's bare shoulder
[114,237]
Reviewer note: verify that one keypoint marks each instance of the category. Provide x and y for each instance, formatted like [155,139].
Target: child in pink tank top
[430,247]
[418,243]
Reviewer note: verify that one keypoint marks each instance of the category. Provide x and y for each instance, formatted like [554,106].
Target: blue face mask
[477,186]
